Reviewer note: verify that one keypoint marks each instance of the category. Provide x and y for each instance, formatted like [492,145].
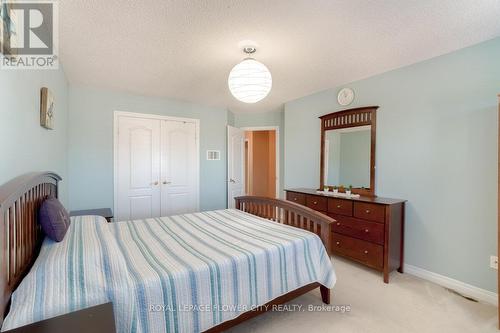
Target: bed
[188,273]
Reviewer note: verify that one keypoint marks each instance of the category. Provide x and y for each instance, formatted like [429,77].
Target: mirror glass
[347,157]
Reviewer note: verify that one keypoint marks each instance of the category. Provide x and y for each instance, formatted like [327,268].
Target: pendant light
[250,81]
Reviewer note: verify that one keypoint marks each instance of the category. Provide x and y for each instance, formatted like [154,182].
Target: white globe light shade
[250,81]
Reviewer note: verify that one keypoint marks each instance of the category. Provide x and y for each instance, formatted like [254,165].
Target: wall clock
[345,96]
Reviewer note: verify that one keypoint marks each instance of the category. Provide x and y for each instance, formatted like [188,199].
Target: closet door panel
[179,167]
[138,168]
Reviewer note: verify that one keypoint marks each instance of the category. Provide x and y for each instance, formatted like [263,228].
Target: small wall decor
[46,108]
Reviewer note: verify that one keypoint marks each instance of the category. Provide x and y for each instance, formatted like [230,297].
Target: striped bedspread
[185,273]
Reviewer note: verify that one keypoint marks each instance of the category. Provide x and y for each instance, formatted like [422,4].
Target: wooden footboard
[289,213]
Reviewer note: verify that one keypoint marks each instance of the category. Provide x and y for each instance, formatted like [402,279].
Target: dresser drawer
[316,202]
[296,197]
[350,226]
[368,253]
[369,211]
[339,206]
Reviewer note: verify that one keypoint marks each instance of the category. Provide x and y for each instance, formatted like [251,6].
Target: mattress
[184,273]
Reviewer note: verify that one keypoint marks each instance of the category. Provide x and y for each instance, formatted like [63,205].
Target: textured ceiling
[185,49]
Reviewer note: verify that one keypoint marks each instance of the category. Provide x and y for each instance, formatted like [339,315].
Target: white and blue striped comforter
[184,273]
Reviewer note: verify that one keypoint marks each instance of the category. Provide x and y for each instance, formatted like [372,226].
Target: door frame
[498,210]
[277,129]
[117,114]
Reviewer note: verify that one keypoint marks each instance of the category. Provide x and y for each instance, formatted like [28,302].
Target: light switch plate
[494,262]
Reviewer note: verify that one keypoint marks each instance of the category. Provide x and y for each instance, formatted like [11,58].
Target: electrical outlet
[494,262]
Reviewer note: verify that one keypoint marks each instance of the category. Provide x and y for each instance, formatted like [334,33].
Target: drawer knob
[338,206]
[294,199]
[315,202]
[338,243]
[338,223]
[366,251]
[366,230]
[367,211]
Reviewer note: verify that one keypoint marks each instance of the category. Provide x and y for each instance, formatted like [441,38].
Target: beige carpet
[407,304]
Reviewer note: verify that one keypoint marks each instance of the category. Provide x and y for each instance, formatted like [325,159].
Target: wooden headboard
[20,233]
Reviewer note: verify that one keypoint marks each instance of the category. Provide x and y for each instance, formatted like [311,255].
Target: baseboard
[459,286]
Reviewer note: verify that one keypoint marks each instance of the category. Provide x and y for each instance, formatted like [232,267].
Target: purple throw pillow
[54,219]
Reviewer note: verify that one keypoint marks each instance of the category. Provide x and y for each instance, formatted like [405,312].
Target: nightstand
[107,213]
[98,318]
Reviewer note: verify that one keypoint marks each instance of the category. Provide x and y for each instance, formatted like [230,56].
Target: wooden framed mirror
[348,141]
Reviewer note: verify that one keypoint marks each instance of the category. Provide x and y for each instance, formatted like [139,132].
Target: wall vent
[213,155]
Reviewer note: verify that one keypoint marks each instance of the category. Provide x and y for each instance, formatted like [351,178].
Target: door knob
[155,183]
[165,182]
[232,180]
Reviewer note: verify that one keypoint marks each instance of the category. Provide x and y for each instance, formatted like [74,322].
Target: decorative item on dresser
[369,230]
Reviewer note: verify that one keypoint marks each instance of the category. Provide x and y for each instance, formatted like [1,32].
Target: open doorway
[261,161]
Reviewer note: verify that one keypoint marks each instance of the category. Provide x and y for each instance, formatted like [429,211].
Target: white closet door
[235,164]
[138,168]
[179,168]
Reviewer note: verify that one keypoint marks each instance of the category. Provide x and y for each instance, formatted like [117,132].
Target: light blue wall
[26,146]
[90,143]
[250,119]
[436,147]
[272,118]
[230,118]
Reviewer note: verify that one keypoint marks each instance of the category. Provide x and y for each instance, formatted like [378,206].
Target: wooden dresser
[369,230]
